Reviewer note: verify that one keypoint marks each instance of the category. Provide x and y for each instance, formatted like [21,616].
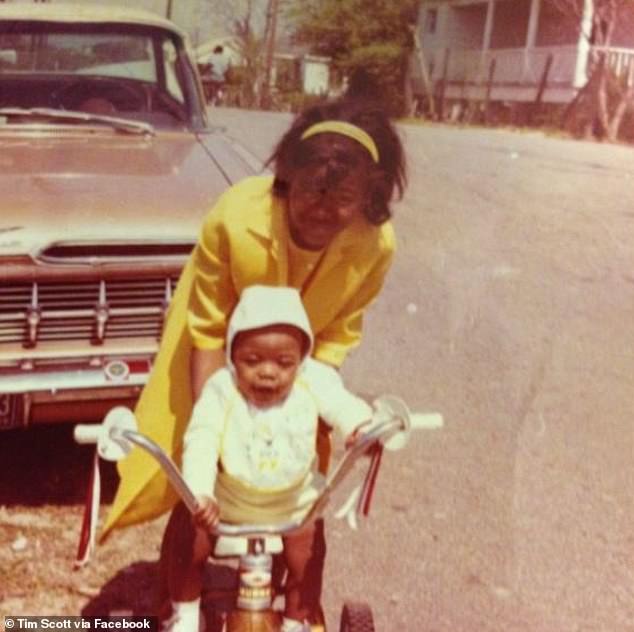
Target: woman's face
[326,194]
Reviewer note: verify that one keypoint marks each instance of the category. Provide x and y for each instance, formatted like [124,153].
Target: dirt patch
[41,494]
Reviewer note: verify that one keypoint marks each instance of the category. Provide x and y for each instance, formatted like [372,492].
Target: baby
[249,450]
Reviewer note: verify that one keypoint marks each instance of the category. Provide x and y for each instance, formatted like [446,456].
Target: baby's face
[266,361]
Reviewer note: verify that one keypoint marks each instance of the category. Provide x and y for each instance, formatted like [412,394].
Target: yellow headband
[345,129]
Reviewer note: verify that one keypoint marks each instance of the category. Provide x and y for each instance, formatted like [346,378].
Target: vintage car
[107,166]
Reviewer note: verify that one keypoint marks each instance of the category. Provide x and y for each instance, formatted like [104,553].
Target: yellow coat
[244,241]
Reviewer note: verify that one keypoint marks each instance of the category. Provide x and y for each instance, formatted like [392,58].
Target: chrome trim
[167,299]
[89,396]
[90,312]
[75,379]
[33,317]
[115,122]
[98,258]
[168,293]
[67,313]
[102,313]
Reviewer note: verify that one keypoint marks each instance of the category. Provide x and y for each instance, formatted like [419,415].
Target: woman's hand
[203,364]
[208,513]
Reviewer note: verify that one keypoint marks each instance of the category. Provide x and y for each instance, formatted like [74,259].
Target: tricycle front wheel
[356,617]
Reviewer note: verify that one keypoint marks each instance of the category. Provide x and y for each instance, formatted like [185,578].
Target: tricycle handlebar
[118,431]
[381,432]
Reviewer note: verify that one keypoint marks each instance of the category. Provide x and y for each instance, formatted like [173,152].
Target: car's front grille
[92,311]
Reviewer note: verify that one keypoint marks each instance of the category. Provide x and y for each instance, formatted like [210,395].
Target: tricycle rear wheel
[356,617]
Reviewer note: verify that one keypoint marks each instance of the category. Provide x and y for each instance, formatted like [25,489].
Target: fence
[513,66]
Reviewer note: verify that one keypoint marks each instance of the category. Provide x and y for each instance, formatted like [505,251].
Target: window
[170,56]
[107,54]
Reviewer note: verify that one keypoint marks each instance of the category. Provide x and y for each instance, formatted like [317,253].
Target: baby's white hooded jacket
[260,464]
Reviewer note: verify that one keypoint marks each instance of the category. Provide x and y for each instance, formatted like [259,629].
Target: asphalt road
[510,310]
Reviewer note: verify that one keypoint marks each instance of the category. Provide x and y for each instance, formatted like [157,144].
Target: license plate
[11,411]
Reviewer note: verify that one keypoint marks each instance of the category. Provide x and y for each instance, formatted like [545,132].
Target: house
[310,73]
[511,50]
[294,67]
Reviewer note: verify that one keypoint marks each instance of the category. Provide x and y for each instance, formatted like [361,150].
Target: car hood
[103,188]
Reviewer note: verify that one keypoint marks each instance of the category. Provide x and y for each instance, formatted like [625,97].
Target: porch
[516,73]
[510,50]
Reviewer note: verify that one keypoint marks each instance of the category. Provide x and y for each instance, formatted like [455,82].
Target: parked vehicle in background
[107,166]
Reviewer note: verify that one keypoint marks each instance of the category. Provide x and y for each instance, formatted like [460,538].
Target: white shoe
[185,617]
[174,624]
[177,623]
[290,625]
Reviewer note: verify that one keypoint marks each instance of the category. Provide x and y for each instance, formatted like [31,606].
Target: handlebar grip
[426,421]
[87,433]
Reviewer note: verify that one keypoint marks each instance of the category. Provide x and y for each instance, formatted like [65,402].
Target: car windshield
[125,72]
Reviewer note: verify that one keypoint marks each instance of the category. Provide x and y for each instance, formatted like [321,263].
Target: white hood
[263,305]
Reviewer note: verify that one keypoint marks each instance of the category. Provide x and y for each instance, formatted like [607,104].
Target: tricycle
[252,606]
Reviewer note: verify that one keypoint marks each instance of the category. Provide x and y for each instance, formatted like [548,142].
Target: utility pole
[271,27]
[168,10]
[424,70]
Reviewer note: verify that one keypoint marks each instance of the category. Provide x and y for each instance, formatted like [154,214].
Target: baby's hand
[353,437]
[208,513]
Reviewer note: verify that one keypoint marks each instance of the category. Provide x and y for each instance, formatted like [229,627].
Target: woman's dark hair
[386,176]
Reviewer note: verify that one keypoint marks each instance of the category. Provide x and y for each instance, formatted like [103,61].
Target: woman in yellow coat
[321,224]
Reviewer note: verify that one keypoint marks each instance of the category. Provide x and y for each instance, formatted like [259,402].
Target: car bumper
[69,393]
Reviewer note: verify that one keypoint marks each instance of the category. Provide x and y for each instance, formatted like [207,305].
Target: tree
[608,93]
[245,21]
[372,36]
